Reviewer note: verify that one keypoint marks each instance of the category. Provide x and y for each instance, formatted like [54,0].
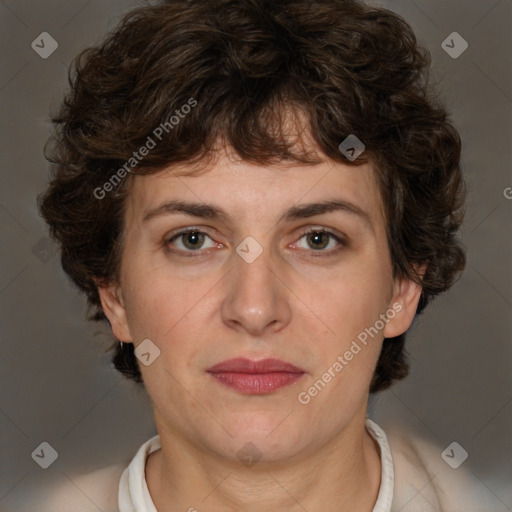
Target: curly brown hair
[347,68]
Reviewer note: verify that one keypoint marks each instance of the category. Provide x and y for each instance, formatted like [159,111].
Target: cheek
[350,302]
[351,331]
[156,302]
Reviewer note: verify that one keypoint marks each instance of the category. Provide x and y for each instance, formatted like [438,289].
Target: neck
[343,475]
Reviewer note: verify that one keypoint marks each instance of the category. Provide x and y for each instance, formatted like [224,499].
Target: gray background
[57,383]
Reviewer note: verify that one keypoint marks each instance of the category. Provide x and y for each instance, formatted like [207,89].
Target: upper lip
[243,365]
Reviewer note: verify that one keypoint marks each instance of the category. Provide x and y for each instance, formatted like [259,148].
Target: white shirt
[134,494]
[414,479]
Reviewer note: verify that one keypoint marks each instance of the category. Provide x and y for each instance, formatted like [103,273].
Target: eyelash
[199,252]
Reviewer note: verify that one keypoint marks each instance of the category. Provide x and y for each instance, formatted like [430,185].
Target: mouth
[255,377]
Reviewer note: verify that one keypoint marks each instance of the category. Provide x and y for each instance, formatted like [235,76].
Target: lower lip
[257,383]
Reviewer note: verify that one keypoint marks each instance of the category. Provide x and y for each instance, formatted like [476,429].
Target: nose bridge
[255,299]
[253,268]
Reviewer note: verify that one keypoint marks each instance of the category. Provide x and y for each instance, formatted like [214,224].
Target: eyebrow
[301,211]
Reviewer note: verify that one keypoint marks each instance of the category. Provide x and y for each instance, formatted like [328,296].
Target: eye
[190,240]
[321,240]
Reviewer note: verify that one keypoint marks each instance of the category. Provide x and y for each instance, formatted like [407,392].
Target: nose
[257,300]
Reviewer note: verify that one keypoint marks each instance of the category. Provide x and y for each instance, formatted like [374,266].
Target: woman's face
[249,282]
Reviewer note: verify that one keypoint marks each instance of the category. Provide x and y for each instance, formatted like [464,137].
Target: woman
[259,197]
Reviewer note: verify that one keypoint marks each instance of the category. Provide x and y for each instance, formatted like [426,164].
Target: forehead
[246,190]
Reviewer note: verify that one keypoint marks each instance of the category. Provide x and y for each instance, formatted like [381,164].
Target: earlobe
[404,304]
[114,309]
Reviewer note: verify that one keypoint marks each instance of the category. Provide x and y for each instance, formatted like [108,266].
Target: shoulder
[97,490]
[414,489]
[424,481]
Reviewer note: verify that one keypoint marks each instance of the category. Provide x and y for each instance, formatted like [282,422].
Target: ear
[114,308]
[406,295]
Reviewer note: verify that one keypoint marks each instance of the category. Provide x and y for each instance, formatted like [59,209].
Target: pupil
[317,237]
[193,239]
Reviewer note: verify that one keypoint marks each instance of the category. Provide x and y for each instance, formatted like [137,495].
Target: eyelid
[188,229]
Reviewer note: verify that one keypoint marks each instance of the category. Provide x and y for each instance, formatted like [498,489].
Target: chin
[265,433]
[251,449]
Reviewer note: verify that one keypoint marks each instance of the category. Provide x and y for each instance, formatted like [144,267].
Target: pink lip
[255,377]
